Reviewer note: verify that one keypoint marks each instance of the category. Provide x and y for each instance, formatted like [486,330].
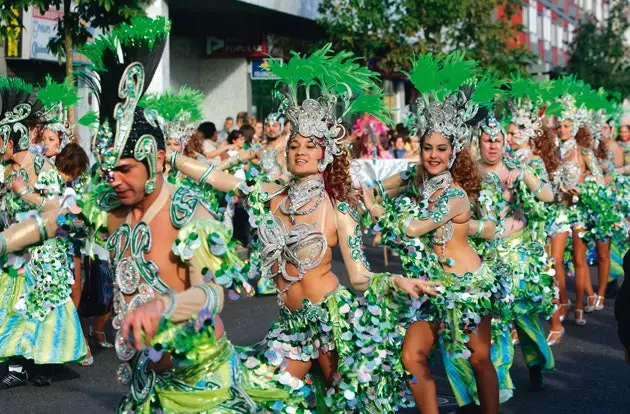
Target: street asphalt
[591,375]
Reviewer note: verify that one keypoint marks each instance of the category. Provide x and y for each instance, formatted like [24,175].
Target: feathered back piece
[334,79]
[177,110]
[123,64]
[20,110]
[455,93]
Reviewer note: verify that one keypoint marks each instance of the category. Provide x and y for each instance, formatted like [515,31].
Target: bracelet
[23,191]
[405,225]
[41,227]
[396,288]
[539,189]
[381,189]
[170,309]
[479,229]
[238,156]
[173,160]
[212,299]
[205,174]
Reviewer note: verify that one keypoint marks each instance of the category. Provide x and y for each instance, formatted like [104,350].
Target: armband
[205,175]
[405,225]
[3,245]
[479,230]
[173,159]
[538,189]
[41,227]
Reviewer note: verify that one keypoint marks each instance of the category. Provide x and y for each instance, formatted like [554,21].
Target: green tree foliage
[72,28]
[394,30]
[598,54]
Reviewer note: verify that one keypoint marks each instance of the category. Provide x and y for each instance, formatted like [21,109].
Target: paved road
[591,375]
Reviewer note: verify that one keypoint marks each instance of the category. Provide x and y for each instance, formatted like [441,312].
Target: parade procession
[365,255]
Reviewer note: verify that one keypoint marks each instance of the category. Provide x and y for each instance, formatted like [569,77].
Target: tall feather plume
[142,40]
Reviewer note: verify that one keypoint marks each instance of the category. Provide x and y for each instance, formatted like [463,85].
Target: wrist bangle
[479,229]
[539,189]
[23,191]
[170,309]
[205,174]
[173,159]
[212,299]
[394,286]
[405,225]
[381,189]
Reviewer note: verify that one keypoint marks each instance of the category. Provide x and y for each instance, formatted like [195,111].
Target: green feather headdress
[123,64]
[452,90]
[56,98]
[178,110]
[337,78]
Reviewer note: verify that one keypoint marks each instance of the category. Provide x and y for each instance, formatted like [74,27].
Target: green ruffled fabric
[210,376]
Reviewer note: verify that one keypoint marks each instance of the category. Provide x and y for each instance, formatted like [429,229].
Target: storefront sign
[234,47]
[44,29]
[259,70]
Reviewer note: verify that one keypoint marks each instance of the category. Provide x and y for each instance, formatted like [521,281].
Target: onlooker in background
[248,132]
[413,154]
[258,132]
[398,151]
[286,130]
[209,132]
[370,151]
[228,125]
[241,119]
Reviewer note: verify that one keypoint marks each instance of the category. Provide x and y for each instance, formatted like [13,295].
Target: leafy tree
[598,54]
[72,28]
[393,30]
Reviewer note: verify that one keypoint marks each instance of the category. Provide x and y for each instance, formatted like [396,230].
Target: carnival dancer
[168,288]
[299,223]
[38,320]
[576,163]
[433,210]
[603,202]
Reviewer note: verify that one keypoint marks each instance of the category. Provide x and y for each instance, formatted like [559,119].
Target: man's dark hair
[229,118]
[207,129]
[72,160]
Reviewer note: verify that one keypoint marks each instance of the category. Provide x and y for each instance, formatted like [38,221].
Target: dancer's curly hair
[337,179]
[465,173]
[194,146]
[586,140]
[545,147]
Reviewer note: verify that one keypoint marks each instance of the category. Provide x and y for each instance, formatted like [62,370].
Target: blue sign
[260,72]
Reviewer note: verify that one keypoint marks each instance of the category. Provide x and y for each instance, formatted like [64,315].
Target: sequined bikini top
[303,245]
[568,174]
[444,233]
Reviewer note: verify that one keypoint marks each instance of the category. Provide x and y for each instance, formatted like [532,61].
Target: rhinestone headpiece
[339,80]
[492,127]
[527,121]
[452,89]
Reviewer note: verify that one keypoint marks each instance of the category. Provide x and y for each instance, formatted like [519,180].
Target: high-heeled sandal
[552,340]
[599,304]
[88,360]
[591,303]
[562,306]
[103,344]
[579,317]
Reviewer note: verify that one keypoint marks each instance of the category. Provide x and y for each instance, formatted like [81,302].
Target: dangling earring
[451,160]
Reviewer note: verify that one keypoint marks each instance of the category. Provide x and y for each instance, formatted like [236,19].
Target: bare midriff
[458,249]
